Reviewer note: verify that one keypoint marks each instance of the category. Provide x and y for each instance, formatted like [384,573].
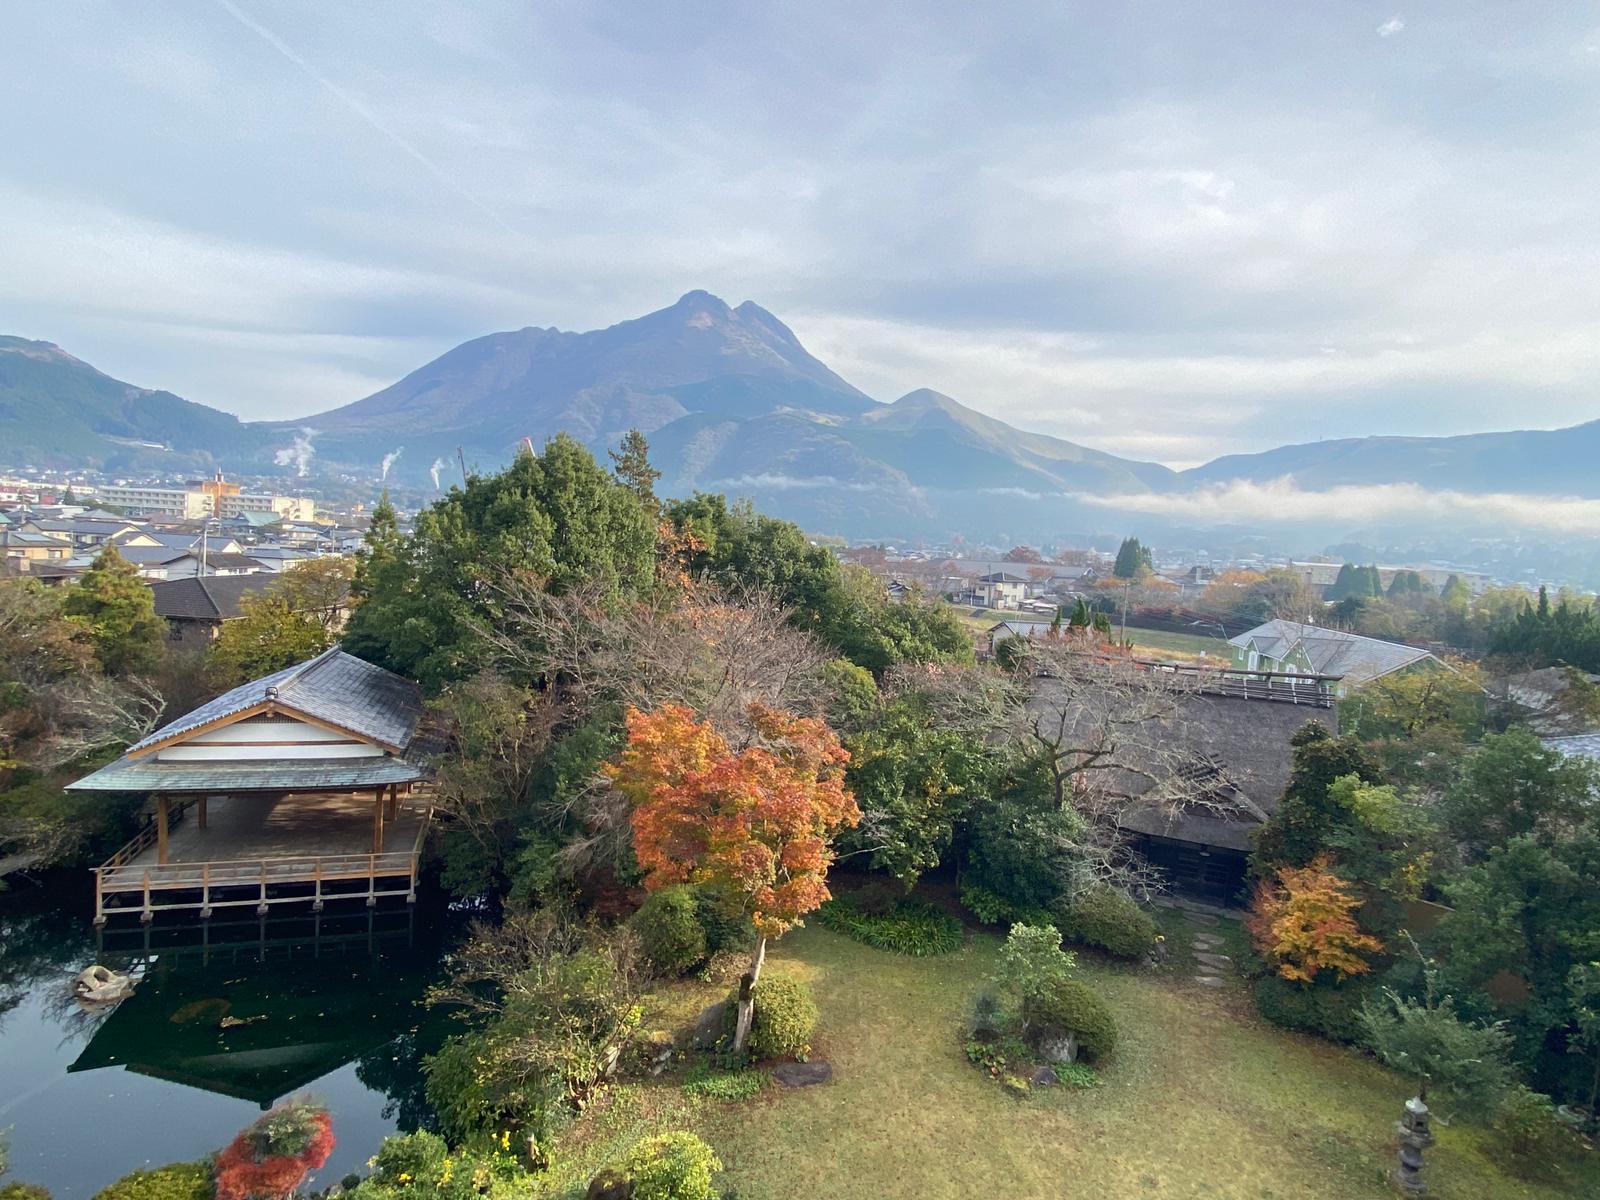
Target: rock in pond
[806,1074]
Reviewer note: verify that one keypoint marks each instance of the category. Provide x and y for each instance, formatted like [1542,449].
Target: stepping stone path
[1197,918]
[799,1075]
[1217,962]
[1210,981]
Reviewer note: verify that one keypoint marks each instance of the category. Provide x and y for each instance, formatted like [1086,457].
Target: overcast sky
[1166,230]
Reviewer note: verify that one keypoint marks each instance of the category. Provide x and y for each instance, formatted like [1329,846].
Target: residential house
[24,550]
[196,608]
[1017,628]
[1295,648]
[1001,589]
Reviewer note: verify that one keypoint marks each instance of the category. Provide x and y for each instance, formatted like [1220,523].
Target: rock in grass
[1210,981]
[799,1075]
[1217,962]
[709,1026]
[1043,1077]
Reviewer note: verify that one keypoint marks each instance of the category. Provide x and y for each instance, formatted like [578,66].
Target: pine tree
[1133,559]
[632,468]
[381,547]
[118,612]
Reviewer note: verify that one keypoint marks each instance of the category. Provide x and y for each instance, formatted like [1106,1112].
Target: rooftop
[1331,651]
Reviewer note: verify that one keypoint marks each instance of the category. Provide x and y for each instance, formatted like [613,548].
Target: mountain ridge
[731,400]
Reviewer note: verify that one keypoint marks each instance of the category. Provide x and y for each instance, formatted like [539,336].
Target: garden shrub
[1076,1076]
[1031,961]
[785,1017]
[1068,1006]
[25,1191]
[912,927]
[420,1166]
[994,909]
[669,929]
[1529,1136]
[1331,1010]
[178,1181]
[724,929]
[671,1166]
[1107,918]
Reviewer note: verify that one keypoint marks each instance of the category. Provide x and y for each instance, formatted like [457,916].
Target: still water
[228,1018]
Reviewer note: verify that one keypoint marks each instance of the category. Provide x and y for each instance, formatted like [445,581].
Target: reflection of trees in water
[396,1071]
[42,942]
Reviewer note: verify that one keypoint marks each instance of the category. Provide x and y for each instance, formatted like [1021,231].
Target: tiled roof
[335,687]
[1578,745]
[1331,651]
[208,598]
[156,775]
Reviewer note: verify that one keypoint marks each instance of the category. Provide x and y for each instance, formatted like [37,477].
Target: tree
[1513,785]
[631,465]
[1301,923]
[754,826]
[1583,994]
[1427,1039]
[1133,560]
[556,516]
[914,781]
[1023,554]
[118,611]
[380,549]
[1298,829]
[1407,704]
[295,618]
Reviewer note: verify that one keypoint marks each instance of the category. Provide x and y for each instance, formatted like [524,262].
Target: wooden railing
[149,833]
[153,882]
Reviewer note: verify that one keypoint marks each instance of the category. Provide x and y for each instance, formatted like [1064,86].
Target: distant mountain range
[731,401]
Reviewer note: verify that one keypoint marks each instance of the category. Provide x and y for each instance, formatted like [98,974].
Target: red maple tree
[753,826]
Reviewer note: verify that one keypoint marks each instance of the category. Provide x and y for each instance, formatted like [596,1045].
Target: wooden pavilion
[300,788]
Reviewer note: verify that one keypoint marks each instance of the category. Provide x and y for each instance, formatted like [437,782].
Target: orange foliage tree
[1301,922]
[753,826]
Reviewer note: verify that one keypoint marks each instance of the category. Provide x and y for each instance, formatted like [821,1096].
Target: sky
[1168,230]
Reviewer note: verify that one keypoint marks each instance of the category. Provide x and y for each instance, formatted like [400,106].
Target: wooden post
[201,812]
[377,822]
[161,829]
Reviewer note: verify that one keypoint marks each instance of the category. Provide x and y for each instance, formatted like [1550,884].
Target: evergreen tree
[1456,594]
[632,468]
[118,612]
[1133,559]
[380,549]
[1310,812]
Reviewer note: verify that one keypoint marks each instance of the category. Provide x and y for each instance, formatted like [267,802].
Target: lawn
[1200,1100]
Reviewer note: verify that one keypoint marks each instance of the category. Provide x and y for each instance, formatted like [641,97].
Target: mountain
[58,411]
[1548,462]
[486,395]
[731,402]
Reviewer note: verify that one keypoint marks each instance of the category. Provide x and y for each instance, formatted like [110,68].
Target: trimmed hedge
[1074,1008]
[669,929]
[1108,919]
[785,1017]
[1330,1011]
[912,927]
[177,1181]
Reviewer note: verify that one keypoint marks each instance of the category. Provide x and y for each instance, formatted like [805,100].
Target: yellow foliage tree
[1301,922]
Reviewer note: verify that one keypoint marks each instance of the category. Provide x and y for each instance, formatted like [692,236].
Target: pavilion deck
[264,850]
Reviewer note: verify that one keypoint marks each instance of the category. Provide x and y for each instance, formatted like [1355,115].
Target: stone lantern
[1415,1137]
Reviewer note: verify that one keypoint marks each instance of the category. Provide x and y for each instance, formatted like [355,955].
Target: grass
[1200,1100]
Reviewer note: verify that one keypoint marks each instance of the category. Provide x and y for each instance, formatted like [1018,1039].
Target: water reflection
[228,1017]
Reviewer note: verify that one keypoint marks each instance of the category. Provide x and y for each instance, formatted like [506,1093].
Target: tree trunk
[1594,1085]
[747,1000]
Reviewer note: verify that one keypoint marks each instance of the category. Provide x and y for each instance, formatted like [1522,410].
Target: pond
[228,1017]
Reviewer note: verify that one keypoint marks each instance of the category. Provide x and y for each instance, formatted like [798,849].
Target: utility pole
[461,458]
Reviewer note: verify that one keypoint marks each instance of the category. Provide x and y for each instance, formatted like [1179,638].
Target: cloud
[1281,502]
[782,483]
[1391,27]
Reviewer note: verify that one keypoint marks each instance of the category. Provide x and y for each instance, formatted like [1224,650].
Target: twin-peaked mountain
[731,401]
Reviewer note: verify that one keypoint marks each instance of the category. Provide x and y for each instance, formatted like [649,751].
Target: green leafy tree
[914,782]
[1134,560]
[1465,1062]
[1298,829]
[1514,785]
[381,548]
[118,611]
[1583,996]
[556,516]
